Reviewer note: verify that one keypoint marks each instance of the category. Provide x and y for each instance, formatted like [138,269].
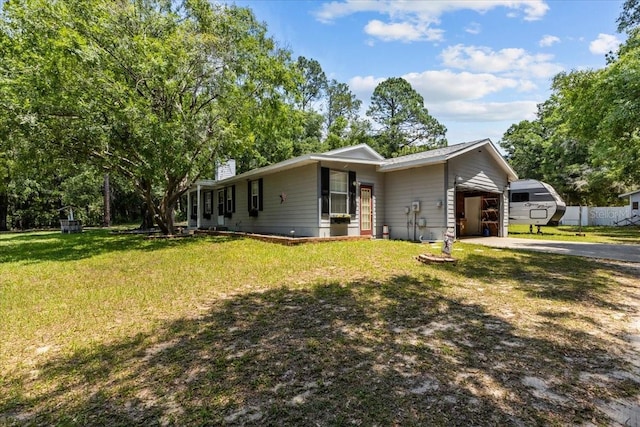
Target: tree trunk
[107,202]
[4,210]
[147,217]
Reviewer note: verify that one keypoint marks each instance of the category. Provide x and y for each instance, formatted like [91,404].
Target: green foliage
[313,83]
[155,90]
[630,16]
[585,141]
[405,123]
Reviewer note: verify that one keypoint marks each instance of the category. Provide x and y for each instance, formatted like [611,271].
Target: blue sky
[481,65]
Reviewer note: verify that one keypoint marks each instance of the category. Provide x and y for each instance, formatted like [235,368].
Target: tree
[155,90]
[405,123]
[525,146]
[313,81]
[558,147]
[630,16]
[341,102]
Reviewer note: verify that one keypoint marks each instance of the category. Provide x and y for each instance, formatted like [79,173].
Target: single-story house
[354,191]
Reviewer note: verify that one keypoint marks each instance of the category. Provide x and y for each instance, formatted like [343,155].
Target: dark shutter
[220,206]
[324,190]
[260,207]
[249,196]
[233,198]
[353,188]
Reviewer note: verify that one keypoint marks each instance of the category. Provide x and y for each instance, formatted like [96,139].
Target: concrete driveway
[628,253]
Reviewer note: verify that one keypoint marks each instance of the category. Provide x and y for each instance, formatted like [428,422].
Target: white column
[188,208]
[199,213]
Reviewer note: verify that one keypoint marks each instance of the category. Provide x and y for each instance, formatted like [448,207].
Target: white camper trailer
[534,202]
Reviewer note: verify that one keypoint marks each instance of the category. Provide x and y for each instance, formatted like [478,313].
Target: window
[194,205]
[519,197]
[220,202]
[208,202]
[229,200]
[229,207]
[634,206]
[339,192]
[254,197]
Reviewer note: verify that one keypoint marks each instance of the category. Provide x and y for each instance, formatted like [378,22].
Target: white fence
[596,215]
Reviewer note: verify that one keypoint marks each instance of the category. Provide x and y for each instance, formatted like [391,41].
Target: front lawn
[101,329]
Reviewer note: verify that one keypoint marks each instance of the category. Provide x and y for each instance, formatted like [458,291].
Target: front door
[366,210]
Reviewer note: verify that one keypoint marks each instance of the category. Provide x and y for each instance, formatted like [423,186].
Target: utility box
[422,222]
[415,206]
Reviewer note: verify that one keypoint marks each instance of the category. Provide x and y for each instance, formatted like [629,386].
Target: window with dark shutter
[208,203]
[194,205]
[220,202]
[254,197]
[229,201]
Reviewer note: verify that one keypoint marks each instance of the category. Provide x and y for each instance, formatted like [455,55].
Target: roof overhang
[631,193]
[296,162]
[420,162]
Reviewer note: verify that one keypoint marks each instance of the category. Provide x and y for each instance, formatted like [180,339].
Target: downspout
[446,198]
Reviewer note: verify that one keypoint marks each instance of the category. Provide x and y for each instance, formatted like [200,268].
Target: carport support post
[189,213]
[198,213]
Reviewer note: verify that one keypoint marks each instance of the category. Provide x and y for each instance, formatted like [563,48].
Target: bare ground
[406,350]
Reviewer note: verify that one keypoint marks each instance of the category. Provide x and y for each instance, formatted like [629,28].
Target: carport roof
[441,155]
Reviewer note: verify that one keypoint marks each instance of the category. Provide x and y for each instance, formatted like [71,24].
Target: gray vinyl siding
[298,212]
[479,171]
[424,184]
[365,174]
[204,222]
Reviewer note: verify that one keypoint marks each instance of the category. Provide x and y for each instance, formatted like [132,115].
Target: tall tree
[313,82]
[525,146]
[341,102]
[165,83]
[630,16]
[405,123]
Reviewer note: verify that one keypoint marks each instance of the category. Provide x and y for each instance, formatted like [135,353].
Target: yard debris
[430,258]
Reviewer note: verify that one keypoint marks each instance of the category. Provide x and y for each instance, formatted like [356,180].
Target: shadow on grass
[546,276]
[398,352]
[51,246]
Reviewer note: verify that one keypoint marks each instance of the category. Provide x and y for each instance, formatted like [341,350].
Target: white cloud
[548,40]
[604,44]
[410,21]
[365,84]
[445,85]
[463,111]
[473,28]
[427,11]
[403,31]
[512,61]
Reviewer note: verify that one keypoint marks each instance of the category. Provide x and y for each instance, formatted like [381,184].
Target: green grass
[593,234]
[102,329]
